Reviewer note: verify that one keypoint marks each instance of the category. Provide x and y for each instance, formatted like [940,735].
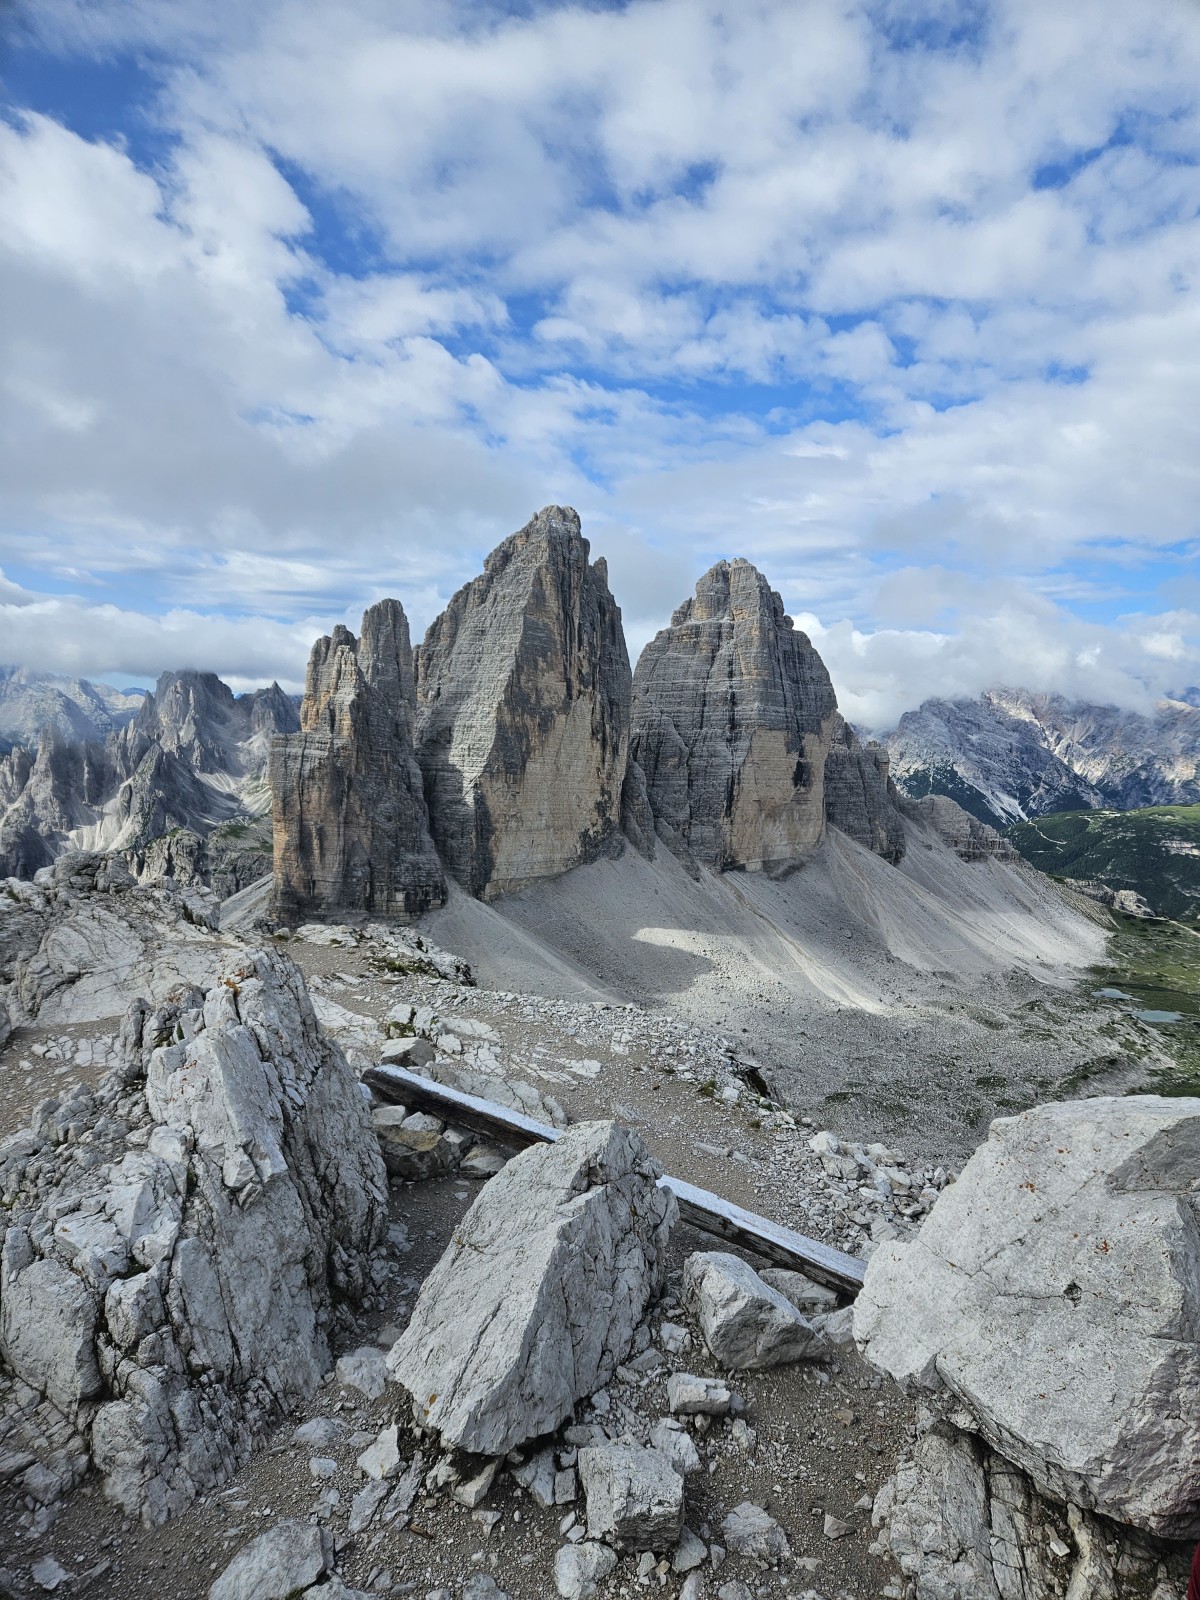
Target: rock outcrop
[1054,1292]
[536,1300]
[859,797]
[169,1282]
[523,689]
[733,713]
[967,836]
[351,827]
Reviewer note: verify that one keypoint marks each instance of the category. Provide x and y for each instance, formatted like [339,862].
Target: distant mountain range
[76,708]
[1010,755]
[175,780]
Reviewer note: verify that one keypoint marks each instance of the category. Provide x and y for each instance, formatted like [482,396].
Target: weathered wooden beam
[700,1207]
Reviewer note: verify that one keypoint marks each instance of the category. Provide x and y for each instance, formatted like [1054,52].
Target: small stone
[634,1496]
[690,1395]
[579,1568]
[672,1440]
[48,1575]
[750,1531]
[284,1560]
[690,1553]
[321,1431]
[322,1466]
[475,1491]
[364,1370]
[382,1459]
[366,1503]
[835,1528]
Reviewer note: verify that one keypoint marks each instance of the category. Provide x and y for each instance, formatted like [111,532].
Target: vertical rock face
[860,798]
[350,824]
[733,712]
[523,690]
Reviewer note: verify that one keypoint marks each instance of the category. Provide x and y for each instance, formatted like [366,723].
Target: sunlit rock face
[523,689]
[733,714]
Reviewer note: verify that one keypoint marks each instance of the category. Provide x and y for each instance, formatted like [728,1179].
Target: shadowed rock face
[523,688]
[350,824]
[860,799]
[733,712]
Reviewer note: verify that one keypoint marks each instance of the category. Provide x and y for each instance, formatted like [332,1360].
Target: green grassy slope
[1155,851]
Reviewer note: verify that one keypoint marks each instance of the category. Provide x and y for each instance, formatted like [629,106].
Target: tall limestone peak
[523,688]
[733,714]
[350,825]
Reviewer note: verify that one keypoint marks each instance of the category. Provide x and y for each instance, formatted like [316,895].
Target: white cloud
[734,282]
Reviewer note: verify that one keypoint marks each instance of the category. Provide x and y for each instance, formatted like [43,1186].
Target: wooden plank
[700,1207]
[784,1246]
[484,1117]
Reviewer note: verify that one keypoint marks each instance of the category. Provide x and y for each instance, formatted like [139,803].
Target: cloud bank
[318,303]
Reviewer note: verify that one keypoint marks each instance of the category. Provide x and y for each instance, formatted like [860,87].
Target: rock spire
[733,713]
[350,824]
[523,689]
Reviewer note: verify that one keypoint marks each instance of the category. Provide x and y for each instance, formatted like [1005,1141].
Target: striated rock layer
[733,713]
[351,828]
[860,798]
[523,689]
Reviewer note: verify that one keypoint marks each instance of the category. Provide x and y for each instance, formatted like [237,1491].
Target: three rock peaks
[515,743]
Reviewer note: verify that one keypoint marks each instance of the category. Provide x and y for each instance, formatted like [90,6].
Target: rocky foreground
[263,1334]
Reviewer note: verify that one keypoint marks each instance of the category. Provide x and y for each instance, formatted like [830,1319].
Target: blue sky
[304,303]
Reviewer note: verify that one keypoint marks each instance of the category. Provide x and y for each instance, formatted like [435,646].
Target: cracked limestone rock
[746,1324]
[634,1496]
[523,688]
[283,1561]
[1055,1291]
[965,1524]
[536,1300]
[733,712]
[170,1282]
[350,823]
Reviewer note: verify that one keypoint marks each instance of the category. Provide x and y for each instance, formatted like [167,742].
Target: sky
[307,302]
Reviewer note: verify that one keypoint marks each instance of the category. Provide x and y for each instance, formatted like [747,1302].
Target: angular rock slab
[1055,1289]
[634,1496]
[747,1325]
[536,1300]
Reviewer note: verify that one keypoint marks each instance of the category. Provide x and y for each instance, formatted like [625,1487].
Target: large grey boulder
[634,1496]
[745,1322]
[1055,1291]
[284,1560]
[733,712]
[177,1240]
[536,1299]
[523,689]
[351,825]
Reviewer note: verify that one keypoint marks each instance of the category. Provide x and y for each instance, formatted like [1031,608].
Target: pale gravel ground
[765,970]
